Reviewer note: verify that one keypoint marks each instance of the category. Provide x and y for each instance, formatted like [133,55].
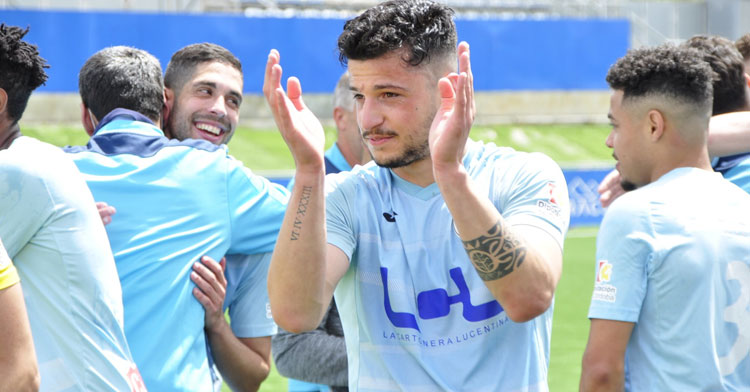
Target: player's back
[176,201]
[55,236]
[692,329]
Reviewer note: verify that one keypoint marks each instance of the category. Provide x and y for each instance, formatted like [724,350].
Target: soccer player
[176,202]
[670,304]
[51,230]
[18,368]
[730,115]
[319,357]
[445,253]
[203,90]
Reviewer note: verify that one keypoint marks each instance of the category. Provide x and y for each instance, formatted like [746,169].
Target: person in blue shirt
[670,304]
[319,357]
[203,90]
[444,252]
[176,202]
[730,116]
[51,230]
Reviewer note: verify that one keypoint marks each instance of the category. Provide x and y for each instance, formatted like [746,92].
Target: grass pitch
[264,151]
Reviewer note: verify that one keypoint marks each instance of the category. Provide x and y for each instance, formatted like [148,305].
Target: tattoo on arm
[301,210]
[495,254]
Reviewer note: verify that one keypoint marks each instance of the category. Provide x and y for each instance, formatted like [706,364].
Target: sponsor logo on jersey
[135,380]
[437,303]
[557,198]
[604,271]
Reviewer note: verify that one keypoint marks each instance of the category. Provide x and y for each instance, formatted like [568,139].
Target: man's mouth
[209,128]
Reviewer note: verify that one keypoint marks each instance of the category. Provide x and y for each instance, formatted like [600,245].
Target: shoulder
[508,162]
[32,157]
[369,176]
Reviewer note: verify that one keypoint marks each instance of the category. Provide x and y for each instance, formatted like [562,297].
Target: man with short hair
[176,202]
[669,308]
[203,90]
[445,254]
[52,231]
[316,360]
[731,105]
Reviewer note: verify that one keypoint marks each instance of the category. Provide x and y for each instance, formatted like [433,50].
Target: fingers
[269,83]
[294,92]
[105,212]
[610,188]
[211,284]
[464,66]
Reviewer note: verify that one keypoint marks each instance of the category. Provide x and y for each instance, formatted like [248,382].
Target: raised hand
[299,127]
[452,123]
[211,288]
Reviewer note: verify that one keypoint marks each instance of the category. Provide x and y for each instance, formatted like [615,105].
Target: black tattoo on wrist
[496,254]
[301,210]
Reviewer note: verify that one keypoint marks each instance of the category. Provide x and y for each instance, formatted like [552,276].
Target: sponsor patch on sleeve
[553,201]
[602,290]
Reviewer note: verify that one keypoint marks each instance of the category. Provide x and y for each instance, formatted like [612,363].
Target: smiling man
[444,253]
[669,310]
[203,90]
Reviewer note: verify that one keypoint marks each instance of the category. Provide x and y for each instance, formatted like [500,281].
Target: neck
[418,173]
[12,132]
[693,157]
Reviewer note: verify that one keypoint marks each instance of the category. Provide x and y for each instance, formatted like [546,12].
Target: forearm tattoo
[301,210]
[495,254]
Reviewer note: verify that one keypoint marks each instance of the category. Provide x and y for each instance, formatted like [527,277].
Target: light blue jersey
[53,233]
[176,201]
[416,315]
[674,258]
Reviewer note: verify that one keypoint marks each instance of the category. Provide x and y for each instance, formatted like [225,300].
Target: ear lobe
[747,79]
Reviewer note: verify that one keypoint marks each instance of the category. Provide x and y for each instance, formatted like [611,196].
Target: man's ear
[3,101]
[87,120]
[747,80]
[656,124]
[168,105]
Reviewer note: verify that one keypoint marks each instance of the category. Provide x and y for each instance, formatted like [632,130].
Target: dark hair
[422,27]
[728,71]
[676,72]
[743,45]
[21,69]
[183,63]
[122,77]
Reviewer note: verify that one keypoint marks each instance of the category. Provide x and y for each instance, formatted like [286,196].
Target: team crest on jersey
[556,199]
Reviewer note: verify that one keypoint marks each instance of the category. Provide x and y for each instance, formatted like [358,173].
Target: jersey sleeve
[25,204]
[249,308]
[623,251]
[8,273]
[256,210]
[537,196]
[339,220]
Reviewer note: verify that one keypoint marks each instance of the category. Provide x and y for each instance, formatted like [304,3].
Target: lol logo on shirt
[436,303]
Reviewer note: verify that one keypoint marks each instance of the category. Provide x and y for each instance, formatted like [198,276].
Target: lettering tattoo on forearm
[301,210]
[495,254]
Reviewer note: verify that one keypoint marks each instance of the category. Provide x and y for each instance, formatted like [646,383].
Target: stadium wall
[525,70]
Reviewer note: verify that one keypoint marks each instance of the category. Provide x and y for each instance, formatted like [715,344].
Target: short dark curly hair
[424,28]
[728,71]
[122,77]
[666,70]
[743,45]
[21,69]
[185,61]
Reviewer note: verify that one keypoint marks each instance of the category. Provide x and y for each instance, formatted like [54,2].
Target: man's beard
[410,155]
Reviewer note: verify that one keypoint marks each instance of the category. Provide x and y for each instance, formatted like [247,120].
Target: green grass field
[264,152]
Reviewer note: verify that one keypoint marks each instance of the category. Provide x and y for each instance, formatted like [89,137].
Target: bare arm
[243,362]
[304,269]
[18,368]
[729,134]
[522,278]
[604,358]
